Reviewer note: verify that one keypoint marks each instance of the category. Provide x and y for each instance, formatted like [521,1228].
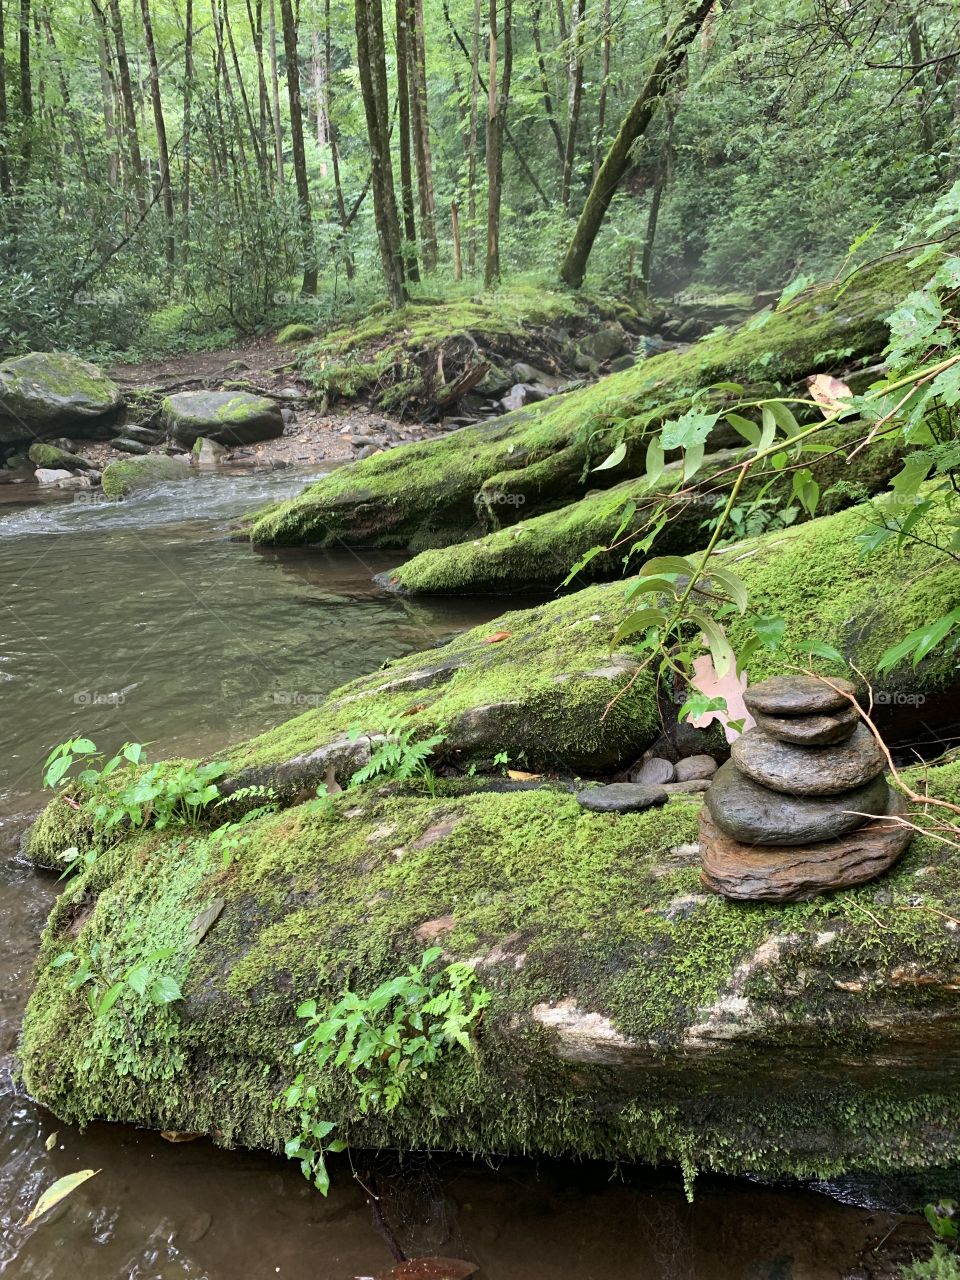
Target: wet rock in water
[124,475]
[51,475]
[46,391]
[809,771]
[811,730]
[123,444]
[229,418]
[797,696]
[75,482]
[654,772]
[515,398]
[621,797]
[55,458]
[792,873]
[695,768]
[18,462]
[754,814]
[208,453]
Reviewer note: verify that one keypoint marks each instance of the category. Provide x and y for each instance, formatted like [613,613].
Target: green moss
[123,475]
[291,333]
[423,495]
[553,903]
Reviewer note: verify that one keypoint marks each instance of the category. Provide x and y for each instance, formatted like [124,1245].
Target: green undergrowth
[426,495]
[551,903]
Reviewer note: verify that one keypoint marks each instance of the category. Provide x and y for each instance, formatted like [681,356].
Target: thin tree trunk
[129,108]
[5,186]
[604,86]
[256,35]
[671,58]
[416,47]
[406,164]
[26,85]
[545,81]
[457,250]
[474,141]
[296,139]
[574,97]
[335,139]
[275,93]
[371,59]
[915,44]
[68,110]
[187,109]
[247,111]
[498,100]
[160,126]
[661,182]
[108,92]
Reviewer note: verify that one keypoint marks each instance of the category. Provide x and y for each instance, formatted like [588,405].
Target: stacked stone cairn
[803,806]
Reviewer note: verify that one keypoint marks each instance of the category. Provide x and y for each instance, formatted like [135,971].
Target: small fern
[397,755]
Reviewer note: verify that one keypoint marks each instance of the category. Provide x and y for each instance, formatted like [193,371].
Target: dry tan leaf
[519,776]
[731,687]
[829,392]
[178,1135]
[498,636]
[60,1190]
[430,1269]
[330,781]
[412,711]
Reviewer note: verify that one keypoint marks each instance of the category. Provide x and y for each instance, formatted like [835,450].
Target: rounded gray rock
[621,797]
[809,771]
[796,696]
[811,731]
[756,815]
[654,772]
[695,768]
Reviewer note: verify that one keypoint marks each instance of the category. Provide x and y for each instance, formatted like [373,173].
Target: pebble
[654,773]
[796,696]
[754,814]
[694,768]
[621,797]
[809,771]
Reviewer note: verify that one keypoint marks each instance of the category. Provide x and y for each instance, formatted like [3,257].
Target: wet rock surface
[622,797]
[813,771]
[785,873]
[796,696]
[810,731]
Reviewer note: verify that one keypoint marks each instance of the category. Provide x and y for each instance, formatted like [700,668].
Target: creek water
[142,621]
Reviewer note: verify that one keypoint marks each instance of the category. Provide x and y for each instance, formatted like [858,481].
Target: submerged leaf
[59,1191]
[430,1269]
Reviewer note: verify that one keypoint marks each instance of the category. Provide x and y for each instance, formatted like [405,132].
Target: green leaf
[59,1191]
[768,429]
[912,474]
[733,586]
[139,978]
[692,461]
[817,648]
[165,990]
[749,430]
[654,461]
[109,999]
[692,429]
[793,288]
[614,459]
[661,565]
[717,642]
[783,417]
[641,620]
[770,630]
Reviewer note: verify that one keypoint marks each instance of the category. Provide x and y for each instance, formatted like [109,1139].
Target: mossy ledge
[632,1016]
[472,481]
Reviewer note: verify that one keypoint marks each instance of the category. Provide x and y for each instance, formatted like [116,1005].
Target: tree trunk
[604,86]
[160,127]
[416,49]
[545,81]
[255,23]
[574,97]
[129,108]
[457,251]
[661,182]
[187,108]
[26,86]
[671,58]
[296,140]
[474,139]
[247,111]
[335,139]
[4,162]
[320,102]
[498,100]
[372,64]
[406,166]
[108,92]
[275,93]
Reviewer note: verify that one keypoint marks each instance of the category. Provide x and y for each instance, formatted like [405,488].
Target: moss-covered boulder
[49,455]
[493,474]
[125,475]
[540,552]
[51,393]
[226,417]
[291,334]
[632,1015]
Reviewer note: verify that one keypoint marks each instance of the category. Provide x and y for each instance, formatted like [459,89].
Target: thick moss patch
[746,1038]
[465,484]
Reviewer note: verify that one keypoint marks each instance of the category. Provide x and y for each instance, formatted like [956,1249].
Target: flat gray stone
[228,417]
[809,771]
[755,815]
[794,873]
[695,768]
[654,773]
[810,731]
[796,696]
[622,797]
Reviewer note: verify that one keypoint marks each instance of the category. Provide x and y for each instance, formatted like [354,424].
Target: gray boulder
[51,475]
[45,392]
[226,417]
[606,344]
[124,475]
[54,458]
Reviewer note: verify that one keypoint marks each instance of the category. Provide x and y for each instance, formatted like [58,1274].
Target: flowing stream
[141,621]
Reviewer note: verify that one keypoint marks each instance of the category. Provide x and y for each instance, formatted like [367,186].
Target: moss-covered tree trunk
[670,59]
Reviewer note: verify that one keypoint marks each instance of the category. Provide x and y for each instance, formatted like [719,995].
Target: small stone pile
[786,818]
